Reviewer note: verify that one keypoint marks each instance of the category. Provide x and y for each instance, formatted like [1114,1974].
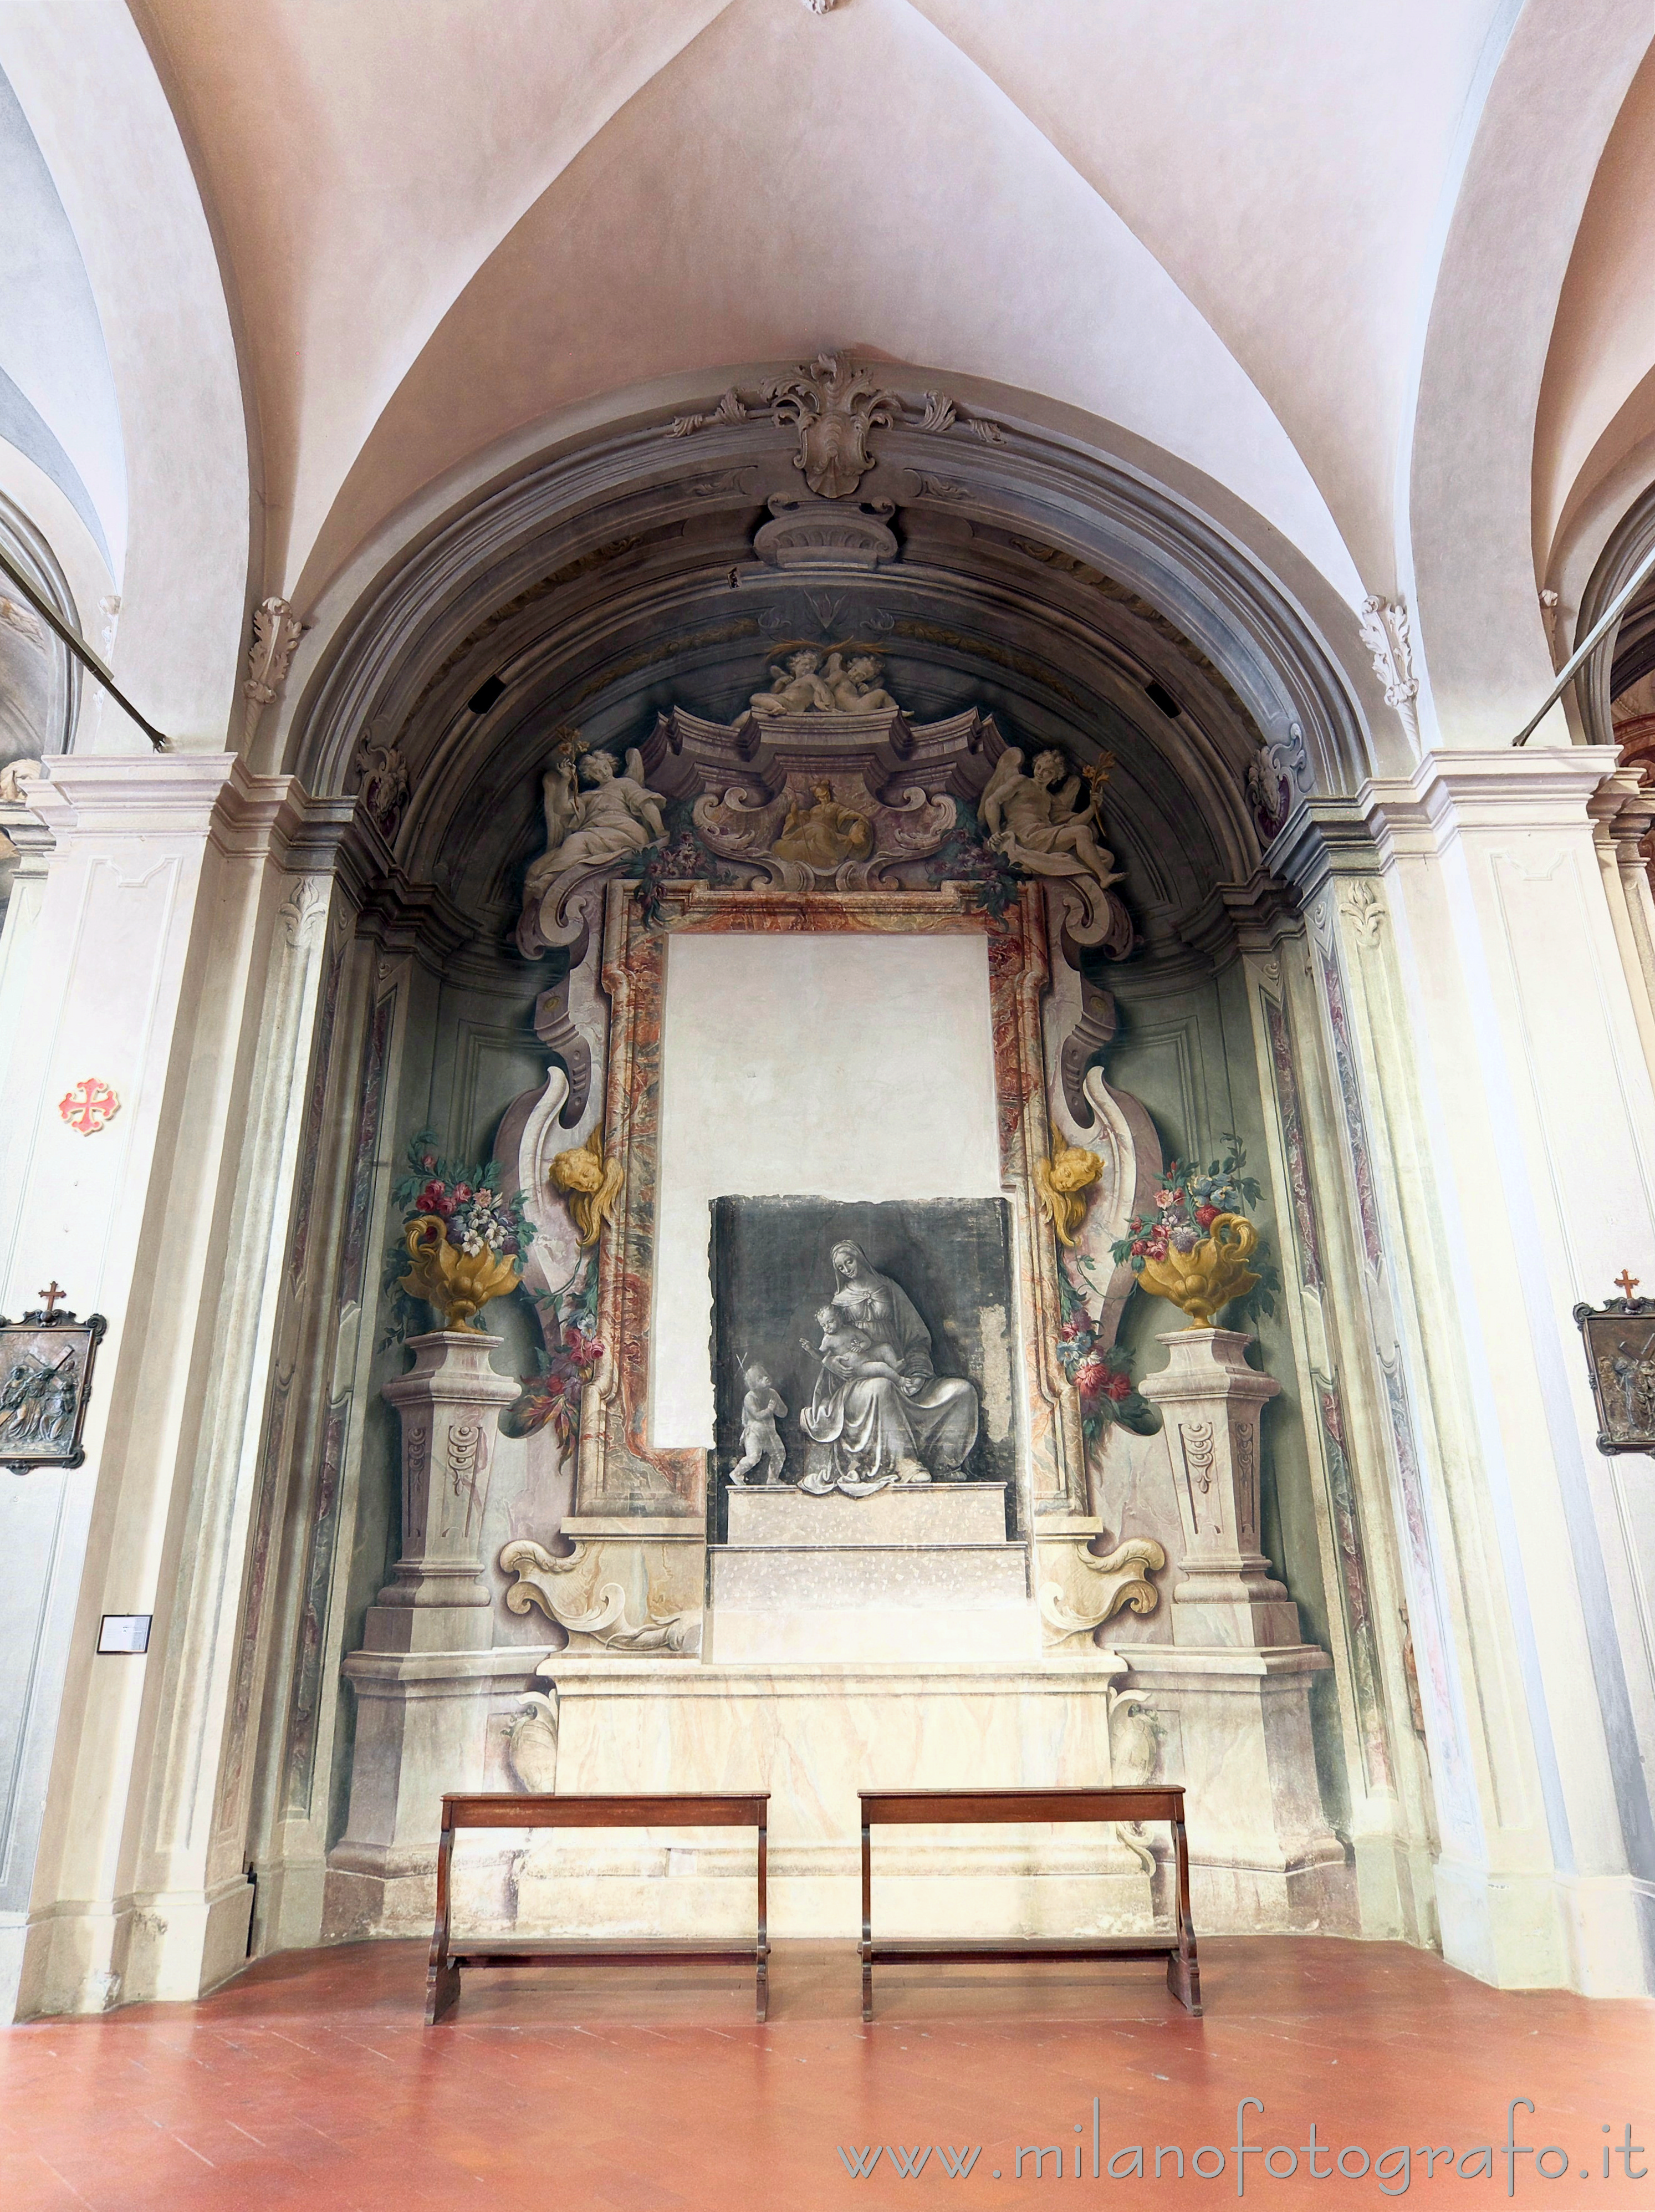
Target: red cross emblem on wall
[89,1105]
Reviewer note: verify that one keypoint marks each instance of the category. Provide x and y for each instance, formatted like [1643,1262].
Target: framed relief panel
[45,1380]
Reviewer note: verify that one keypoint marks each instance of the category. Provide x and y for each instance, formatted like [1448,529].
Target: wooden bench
[919,1807]
[499,1810]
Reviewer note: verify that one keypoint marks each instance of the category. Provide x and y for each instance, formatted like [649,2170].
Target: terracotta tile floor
[311,2082]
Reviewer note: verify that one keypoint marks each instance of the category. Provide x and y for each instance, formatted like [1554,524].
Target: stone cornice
[127,795]
[1449,795]
[274,814]
[401,916]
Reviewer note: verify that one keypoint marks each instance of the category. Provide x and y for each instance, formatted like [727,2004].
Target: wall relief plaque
[1619,1340]
[46,1380]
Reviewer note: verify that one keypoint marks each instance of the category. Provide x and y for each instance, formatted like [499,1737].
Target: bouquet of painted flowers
[1100,1373]
[551,1398]
[1195,1248]
[463,1237]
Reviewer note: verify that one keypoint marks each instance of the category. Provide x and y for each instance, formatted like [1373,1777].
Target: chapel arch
[632,595]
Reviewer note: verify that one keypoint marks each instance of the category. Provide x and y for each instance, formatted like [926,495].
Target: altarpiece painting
[858,1348]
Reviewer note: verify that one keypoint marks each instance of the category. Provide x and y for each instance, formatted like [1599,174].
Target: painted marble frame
[619,1471]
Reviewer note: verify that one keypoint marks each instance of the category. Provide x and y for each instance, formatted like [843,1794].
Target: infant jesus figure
[760,1406]
[847,1349]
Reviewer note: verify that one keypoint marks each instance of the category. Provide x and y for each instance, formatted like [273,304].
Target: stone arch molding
[1629,544]
[684,509]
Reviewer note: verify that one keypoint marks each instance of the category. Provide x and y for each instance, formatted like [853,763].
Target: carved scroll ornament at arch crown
[834,404]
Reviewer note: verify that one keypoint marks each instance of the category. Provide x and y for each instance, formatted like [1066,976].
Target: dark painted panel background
[771,1268]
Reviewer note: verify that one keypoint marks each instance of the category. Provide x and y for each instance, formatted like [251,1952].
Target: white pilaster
[1480,973]
[174,958]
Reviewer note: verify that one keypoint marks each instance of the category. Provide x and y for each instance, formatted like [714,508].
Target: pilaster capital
[1449,794]
[1500,788]
[127,795]
[193,796]
[1623,808]
[275,815]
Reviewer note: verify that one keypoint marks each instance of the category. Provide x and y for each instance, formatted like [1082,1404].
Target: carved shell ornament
[591,1185]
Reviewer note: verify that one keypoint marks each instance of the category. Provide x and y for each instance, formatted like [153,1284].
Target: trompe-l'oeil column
[1211,1402]
[450,1402]
[426,1675]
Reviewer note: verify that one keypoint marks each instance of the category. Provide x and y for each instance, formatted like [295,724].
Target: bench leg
[442,1992]
[442,1982]
[763,1990]
[867,1923]
[1183,1974]
[1184,1979]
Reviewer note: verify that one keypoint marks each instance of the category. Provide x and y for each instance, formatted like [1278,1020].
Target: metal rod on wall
[83,653]
[1588,646]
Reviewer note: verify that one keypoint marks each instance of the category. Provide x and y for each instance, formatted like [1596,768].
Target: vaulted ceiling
[445,223]
[1363,284]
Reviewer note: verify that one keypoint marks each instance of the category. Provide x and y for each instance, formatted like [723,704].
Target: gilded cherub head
[590,1184]
[1060,1181]
[1074,1169]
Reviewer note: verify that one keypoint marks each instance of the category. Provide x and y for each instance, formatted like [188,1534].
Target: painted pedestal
[921,1574]
[426,1676]
[1228,1701]
[813,1734]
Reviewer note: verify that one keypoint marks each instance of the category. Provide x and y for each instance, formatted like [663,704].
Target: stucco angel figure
[855,685]
[1038,822]
[798,688]
[615,815]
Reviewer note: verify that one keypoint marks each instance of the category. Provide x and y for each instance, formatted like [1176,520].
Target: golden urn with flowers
[1195,1250]
[463,1237]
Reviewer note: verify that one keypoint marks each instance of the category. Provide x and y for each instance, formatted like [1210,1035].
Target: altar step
[925,1571]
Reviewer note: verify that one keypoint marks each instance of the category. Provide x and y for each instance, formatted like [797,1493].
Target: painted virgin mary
[881,1414]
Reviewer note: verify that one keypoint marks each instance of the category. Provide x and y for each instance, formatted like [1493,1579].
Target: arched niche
[651,574]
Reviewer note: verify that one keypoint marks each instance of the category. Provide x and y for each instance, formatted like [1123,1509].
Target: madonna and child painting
[862,1346]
